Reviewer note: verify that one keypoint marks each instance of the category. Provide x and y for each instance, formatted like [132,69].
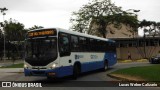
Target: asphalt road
[92,77]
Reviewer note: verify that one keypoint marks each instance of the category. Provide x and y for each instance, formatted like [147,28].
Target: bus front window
[41,51]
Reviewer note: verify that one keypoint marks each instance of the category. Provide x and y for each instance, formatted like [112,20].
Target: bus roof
[75,33]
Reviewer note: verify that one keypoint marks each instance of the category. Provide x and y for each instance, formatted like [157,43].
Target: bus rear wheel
[76,72]
[105,66]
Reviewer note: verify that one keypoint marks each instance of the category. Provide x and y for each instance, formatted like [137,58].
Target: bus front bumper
[50,73]
[56,72]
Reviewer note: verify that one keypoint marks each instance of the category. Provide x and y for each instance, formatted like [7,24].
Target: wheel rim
[105,67]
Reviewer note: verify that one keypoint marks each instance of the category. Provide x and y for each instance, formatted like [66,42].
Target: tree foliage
[35,27]
[103,12]
[150,28]
[14,37]
[14,31]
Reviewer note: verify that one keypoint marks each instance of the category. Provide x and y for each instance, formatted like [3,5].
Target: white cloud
[57,13]
[149,9]
[47,13]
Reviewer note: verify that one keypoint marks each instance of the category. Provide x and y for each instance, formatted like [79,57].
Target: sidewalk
[10,62]
[10,70]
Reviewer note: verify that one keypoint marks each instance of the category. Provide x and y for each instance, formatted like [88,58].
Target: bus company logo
[78,56]
[94,57]
[6,84]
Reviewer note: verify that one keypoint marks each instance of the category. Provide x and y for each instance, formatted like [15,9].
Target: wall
[137,53]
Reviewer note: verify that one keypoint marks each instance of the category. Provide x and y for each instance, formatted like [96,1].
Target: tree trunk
[104,35]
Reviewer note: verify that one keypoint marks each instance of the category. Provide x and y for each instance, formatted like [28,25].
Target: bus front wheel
[76,72]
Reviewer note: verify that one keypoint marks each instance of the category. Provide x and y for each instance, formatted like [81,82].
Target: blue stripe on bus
[111,57]
[89,66]
[68,70]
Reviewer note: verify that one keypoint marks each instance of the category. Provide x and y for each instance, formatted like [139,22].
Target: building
[128,41]
[139,47]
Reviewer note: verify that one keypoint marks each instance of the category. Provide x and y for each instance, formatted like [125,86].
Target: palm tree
[35,27]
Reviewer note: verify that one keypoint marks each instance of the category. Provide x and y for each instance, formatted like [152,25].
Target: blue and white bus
[55,52]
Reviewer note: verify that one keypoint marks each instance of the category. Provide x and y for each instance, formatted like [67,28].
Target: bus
[55,53]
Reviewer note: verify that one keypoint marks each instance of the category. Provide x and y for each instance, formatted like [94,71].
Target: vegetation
[103,13]
[14,39]
[14,66]
[148,73]
[35,27]
[1,44]
[151,28]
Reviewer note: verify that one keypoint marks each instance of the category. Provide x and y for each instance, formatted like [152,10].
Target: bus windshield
[41,51]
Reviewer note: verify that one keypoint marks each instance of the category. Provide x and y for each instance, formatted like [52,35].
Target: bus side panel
[90,61]
[65,67]
[92,66]
[65,71]
[111,57]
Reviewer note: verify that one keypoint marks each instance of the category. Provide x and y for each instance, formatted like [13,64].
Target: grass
[148,73]
[14,66]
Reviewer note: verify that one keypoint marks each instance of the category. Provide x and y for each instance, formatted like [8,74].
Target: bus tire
[76,71]
[105,66]
[49,78]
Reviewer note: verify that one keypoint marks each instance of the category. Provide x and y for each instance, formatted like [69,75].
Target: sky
[57,13]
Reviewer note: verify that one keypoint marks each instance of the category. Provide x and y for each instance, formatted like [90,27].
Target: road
[88,77]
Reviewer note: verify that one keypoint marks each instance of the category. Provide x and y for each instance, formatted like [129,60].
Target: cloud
[149,9]
[22,5]
[58,12]
[41,5]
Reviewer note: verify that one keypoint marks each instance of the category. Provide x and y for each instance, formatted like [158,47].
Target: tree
[103,13]
[151,29]
[14,31]
[35,27]
[15,35]
[1,44]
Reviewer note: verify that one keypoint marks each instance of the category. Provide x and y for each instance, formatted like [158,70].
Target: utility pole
[3,13]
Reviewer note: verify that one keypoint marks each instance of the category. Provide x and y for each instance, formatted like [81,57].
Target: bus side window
[74,44]
[91,45]
[82,44]
[64,45]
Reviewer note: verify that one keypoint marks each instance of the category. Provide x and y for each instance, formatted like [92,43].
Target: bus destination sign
[46,32]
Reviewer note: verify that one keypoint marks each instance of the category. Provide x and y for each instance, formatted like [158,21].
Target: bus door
[64,53]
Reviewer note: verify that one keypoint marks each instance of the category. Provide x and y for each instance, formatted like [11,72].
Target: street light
[3,13]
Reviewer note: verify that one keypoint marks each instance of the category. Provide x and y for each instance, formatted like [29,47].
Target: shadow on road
[69,82]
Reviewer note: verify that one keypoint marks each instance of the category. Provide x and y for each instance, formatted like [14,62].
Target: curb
[143,60]
[121,78]
[125,61]
[130,61]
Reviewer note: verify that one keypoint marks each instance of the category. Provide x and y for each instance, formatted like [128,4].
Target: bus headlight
[25,66]
[54,65]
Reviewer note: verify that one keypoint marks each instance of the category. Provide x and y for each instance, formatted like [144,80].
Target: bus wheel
[105,66]
[50,78]
[76,72]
